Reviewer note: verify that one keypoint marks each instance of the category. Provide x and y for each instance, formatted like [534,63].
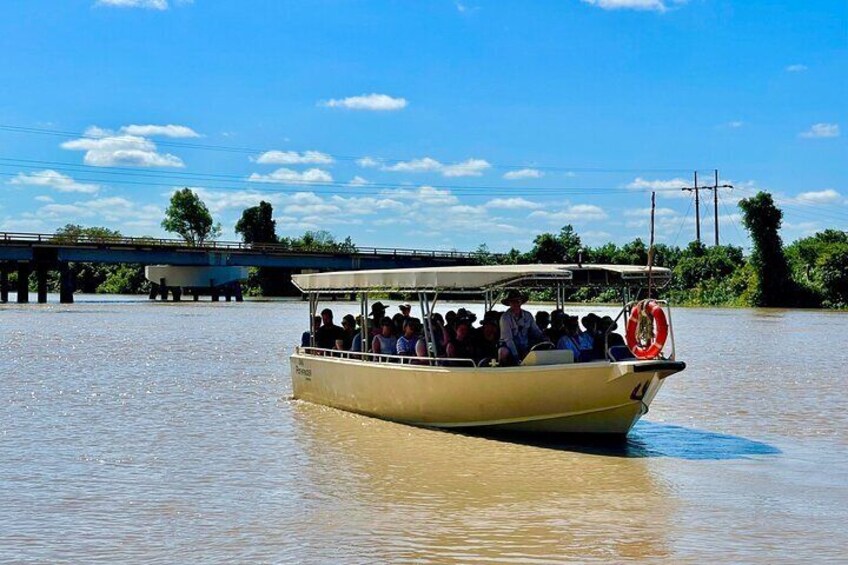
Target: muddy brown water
[164,433]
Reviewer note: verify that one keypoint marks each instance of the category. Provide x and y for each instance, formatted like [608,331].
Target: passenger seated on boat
[305,340]
[543,320]
[349,330]
[488,338]
[397,321]
[569,339]
[463,314]
[356,344]
[555,331]
[587,336]
[437,326]
[607,337]
[378,312]
[385,342]
[407,342]
[329,332]
[450,325]
[519,331]
[462,346]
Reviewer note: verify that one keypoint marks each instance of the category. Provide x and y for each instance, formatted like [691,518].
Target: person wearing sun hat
[518,329]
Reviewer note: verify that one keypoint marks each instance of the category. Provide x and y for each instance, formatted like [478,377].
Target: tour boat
[546,392]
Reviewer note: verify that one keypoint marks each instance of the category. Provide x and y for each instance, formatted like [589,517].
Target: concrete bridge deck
[28,252]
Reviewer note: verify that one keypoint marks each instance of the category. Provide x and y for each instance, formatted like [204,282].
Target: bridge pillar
[24,270]
[41,277]
[66,284]
[177,293]
[194,295]
[4,283]
[163,289]
[237,291]
[214,290]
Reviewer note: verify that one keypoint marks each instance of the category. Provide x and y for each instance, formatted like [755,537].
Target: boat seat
[620,353]
[552,357]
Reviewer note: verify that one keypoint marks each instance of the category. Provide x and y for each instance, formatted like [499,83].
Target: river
[164,433]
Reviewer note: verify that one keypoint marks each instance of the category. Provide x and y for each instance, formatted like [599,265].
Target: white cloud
[467,168]
[104,148]
[524,174]
[358,181]
[367,162]
[424,195]
[796,68]
[644,184]
[646,212]
[820,197]
[577,213]
[43,198]
[289,176]
[373,102]
[169,130]
[220,200]
[148,4]
[52,179]
[821,130]
[424,165]
[113,209]
[294,158]
[512,203]
[736,124]
[654,5]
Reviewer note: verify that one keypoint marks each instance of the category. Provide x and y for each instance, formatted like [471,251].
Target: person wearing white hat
[518,329]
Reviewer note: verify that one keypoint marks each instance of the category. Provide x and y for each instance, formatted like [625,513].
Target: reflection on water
[452,496]
[136,431]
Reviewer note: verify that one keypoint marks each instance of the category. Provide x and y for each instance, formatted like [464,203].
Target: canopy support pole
[428,330]
[363,313]
[313,306]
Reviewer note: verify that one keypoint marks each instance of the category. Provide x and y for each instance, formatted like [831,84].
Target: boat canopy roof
[480,278]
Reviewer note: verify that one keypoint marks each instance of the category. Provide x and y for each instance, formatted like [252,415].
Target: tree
[762,219]
[550,248]
[73,233]
[189,217]
[257,224]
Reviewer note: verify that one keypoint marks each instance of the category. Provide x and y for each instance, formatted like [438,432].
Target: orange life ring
[653,349]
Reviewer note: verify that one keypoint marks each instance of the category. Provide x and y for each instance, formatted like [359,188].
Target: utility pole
[714,188]
[715,206]
[697,208]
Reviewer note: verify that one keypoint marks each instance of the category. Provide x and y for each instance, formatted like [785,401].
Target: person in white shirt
[518,330]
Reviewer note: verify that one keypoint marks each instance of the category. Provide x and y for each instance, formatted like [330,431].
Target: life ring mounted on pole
[647,329]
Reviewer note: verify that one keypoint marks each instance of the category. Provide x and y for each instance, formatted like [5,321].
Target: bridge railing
[41,239]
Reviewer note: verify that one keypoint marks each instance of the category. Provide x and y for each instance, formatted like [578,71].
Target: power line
[253,150]
[178,177]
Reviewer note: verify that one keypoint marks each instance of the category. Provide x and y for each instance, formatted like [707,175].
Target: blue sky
[430,124]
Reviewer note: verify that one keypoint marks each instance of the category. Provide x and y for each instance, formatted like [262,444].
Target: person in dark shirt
[305,338]
[488,339]
[349,330]
[462,345]
[328,333]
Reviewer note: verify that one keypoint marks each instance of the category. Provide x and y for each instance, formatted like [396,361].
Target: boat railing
[387,358]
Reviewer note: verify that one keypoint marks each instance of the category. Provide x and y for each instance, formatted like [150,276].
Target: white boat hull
[598,397]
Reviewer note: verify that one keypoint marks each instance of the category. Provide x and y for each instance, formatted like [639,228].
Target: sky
[434,124]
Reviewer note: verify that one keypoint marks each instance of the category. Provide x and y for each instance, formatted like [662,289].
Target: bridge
[40,253]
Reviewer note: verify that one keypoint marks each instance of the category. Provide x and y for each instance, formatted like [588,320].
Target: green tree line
[810,272]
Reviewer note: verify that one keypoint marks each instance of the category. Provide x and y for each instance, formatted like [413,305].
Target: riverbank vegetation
[810,272]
